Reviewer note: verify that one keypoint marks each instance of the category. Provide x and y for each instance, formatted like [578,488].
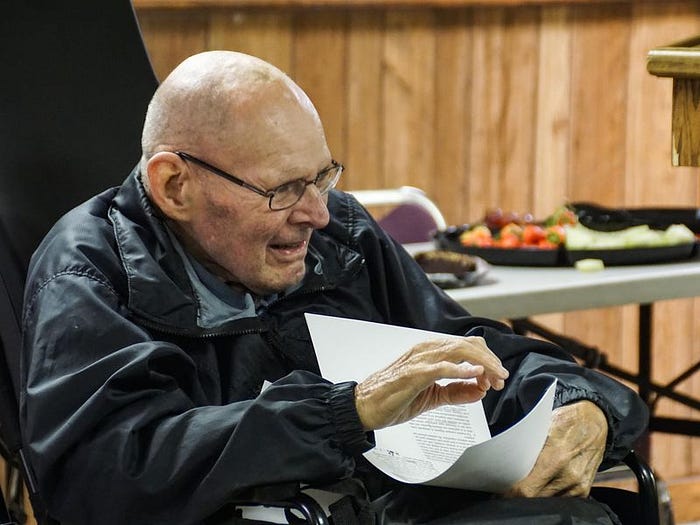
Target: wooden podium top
[680,60]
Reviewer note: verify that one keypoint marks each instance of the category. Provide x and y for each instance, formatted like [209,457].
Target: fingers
[409,386]
[571,455]
[451,359]
[558,482]
[462,351]
[551,489]
[461,392]
[475,352]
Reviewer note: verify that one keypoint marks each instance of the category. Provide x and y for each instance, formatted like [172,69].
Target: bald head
[219,99]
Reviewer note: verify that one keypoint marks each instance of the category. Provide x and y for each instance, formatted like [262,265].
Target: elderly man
[155,312]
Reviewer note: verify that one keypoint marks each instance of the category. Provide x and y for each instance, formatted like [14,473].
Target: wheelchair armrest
[640,507]
[297,506]
[646,482]
[308,508]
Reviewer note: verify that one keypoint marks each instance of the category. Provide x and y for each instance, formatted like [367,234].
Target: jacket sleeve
[408,298]
[116,431]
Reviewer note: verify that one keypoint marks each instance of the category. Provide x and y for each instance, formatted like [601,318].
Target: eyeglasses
[285,195]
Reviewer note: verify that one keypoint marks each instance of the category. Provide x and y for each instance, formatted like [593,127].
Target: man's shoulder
[86,223]
[82,240]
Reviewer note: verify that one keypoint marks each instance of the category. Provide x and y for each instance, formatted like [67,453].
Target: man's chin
[279,285]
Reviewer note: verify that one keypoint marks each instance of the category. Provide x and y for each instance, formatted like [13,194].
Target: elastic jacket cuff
[572,395]
[351,435]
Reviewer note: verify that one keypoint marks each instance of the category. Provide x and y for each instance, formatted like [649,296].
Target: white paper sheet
[449,446]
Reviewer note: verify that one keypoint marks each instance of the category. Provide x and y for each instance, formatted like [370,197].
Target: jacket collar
[160,291]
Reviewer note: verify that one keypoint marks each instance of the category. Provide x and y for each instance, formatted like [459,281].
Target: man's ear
[172,187]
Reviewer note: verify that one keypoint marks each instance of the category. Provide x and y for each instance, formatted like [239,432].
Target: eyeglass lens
[289,194]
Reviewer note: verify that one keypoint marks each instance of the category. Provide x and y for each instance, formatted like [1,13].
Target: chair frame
[402,195]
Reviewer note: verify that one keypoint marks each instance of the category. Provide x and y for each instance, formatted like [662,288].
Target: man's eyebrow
[296,173]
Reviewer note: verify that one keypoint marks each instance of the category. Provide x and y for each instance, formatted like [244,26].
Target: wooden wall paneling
[672,355]
[516,143]
[409,91]
[364,102]
[553,129]
[319,67]
[598,112]
[266,34]
[503,105]
[172,36]
[685,497]
[673,352]
[486,159]
[453,82]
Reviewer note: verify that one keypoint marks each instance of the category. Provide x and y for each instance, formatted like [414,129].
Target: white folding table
[512,292]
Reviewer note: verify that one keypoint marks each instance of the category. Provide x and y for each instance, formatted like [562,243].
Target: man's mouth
[289,248]
[288,245]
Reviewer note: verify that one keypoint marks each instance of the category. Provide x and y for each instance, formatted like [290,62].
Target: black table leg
[644,330]
[644,373]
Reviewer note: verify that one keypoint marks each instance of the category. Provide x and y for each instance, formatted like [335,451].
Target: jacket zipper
[197,335]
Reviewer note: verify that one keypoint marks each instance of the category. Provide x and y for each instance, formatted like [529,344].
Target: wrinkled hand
[571,455]
[407,387]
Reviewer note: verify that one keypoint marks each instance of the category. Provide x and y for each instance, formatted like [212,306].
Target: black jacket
[133,413]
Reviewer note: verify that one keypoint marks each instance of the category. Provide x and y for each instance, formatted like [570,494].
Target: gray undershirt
[218,302]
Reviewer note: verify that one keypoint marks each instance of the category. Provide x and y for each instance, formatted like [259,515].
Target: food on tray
[515,236]
[578,237]
[509,230]
[443,261]
[496,218]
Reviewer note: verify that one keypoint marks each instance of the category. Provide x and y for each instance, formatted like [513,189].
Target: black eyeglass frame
[267,193]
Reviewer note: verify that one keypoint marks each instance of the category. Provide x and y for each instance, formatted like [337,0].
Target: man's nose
[312,208]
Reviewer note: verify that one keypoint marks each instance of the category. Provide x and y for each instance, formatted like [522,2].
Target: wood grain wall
[521,108]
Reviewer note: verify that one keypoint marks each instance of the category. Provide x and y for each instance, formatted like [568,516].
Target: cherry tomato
[532,234]
[546,245]
[508,241]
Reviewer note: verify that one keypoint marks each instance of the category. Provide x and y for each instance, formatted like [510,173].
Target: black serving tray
[603,218]
[449,240]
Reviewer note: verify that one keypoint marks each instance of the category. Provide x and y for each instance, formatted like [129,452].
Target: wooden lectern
[681,61]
